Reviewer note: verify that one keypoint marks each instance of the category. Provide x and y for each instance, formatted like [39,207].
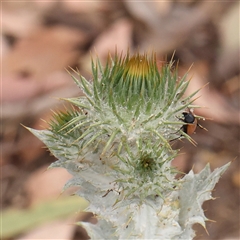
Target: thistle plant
[116,141]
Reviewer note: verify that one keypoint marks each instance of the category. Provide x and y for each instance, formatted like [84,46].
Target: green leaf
[15,221]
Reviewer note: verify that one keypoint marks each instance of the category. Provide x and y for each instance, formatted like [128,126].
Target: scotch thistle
[116,141]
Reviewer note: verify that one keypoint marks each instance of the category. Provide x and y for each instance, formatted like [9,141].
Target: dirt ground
[41,39]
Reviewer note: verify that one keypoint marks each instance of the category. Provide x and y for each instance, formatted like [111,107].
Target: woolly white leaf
[195,190]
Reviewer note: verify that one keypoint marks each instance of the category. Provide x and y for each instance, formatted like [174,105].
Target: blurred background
[41,39]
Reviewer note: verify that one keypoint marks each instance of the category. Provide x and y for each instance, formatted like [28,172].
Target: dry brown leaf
[46,184]
[16,89]
[82,6]
[19,18]
[118,36]
[166,33]
[36,64]
[44,51]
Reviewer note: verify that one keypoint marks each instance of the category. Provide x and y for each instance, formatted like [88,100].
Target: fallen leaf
[214,105]
[46,184]
[117,36]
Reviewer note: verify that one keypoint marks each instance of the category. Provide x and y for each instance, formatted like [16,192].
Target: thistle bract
[116,142]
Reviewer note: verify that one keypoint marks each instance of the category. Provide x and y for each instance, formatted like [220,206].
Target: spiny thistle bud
[116,142]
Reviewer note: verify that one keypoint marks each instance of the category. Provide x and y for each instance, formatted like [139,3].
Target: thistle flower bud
[116,142]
